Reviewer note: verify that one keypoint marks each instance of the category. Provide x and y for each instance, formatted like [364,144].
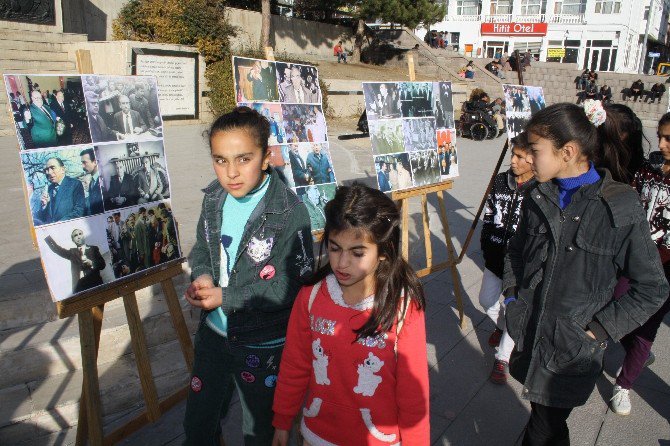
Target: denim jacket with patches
[257,303]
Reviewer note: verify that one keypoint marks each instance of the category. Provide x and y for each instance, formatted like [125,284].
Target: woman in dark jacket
[579,231]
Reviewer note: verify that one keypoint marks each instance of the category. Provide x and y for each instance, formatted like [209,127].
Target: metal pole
[640,68]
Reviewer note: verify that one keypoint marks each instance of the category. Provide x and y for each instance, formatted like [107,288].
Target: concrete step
[37,66]
[35,55]
[6,44]
[7,33]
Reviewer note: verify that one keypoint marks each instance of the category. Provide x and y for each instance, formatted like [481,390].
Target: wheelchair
[473,124]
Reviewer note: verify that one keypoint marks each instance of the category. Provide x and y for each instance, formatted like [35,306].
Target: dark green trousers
[219,369]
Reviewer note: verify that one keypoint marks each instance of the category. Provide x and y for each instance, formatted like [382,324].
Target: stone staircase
[33,52]
[558,83]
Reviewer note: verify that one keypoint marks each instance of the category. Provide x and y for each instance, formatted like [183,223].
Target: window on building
[501,6]
[531,7]
[467,7]
[574,7]
[608,6]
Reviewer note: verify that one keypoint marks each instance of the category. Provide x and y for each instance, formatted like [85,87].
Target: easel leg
[178,322]
[404,236]
[139,343]
[452,259]
[82,424]
[91,394]
[426,231]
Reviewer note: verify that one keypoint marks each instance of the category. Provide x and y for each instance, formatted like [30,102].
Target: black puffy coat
[563,265]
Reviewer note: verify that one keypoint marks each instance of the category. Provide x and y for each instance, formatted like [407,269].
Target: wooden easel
[402,197]
[89,308]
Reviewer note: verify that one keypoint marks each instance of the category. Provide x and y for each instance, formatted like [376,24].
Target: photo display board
[289,96]
[98,188]
[521,102]
[413,133]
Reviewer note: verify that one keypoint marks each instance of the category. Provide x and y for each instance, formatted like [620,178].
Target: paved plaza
[466,409]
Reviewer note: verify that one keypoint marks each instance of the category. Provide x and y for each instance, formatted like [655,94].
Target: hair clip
[595,112]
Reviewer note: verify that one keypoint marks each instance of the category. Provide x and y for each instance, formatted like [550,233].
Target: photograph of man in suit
[99,130]
[64,112]
[90,166]
[63,199]
[298,166]
[128,122]
[293,88]
[319,166]
[41,121]
[86,262]
[149,182]
[122,191]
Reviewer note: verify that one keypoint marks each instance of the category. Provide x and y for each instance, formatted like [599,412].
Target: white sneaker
[620,401]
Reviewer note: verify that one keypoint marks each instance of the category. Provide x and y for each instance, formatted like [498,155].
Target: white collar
[335,292]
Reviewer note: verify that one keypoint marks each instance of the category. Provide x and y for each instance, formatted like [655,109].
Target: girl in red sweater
[356,341]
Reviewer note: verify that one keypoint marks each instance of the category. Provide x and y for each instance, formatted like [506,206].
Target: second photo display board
[412,133]
[289,96]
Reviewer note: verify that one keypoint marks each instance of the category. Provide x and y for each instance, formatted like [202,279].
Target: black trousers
[547,426]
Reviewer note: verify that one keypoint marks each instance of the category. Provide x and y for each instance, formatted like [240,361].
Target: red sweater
[359,392]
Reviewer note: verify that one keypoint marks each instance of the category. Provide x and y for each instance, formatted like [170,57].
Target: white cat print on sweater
[320,363]
[367,380]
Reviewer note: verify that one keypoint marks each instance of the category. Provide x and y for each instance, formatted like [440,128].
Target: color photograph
[447,154]
[48,111]
[122,108]
[393,172]
[75,256]
[382,100]
[304,123]
[281,162]
[315,199]
[273,113]
[521,102]
[255,80]
[133,173]
[298,84]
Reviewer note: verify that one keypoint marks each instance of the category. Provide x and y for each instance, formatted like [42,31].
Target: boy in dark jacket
[501,216]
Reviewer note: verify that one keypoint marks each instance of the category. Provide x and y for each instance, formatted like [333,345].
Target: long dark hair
[244,118]
[621,139]
[562,123]
[363,208]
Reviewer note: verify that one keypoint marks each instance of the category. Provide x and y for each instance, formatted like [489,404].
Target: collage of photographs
[289,96]
[521,102]
[412,132]
[95,169]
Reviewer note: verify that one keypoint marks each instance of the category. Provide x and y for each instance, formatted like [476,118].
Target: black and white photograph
[315,198]
[62,184]
[393,172]
[298,84]
[387,136]
[133,173]
[273,113]
[416,99]
[382,100]
[281,163]
[443,107]
[48,111]
[304,123]
[311,164]
[425,168]
[75,256]
[255,80]
[419,134]
[141,237]
[521,102]
[122,108]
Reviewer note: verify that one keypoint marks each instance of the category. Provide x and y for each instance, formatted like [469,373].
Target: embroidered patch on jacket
[270,381]
[367,380]
[253,361]
[259,249]
[248,377]
[196,384]
[378,341]
[320,363]
[322,325]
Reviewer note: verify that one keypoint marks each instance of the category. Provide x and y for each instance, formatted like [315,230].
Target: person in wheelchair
[479,119]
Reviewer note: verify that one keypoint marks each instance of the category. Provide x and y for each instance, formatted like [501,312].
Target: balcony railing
[571,19]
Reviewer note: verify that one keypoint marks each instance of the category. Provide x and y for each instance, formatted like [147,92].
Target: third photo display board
[412,133]
[521,102]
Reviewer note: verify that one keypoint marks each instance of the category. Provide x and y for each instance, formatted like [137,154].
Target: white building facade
[603,35]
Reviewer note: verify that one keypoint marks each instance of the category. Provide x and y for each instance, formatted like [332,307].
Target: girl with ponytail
[356,341]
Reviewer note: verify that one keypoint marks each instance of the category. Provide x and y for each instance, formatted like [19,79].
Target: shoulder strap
[312,295]
[402,313]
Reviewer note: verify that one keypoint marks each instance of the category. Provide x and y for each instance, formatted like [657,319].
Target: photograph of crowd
[315,199]
[141,237]
[382,100]
[255,80]
[311,164]
[521,102]
[122,108]
[387,136]
[77,246]
[419,134]
[133,173]
[446,151]
[273,113]
[62,184]
[48,111]
[443,108]
[424,167]
[393,172]
[304,123]
[298,84]
[416,99]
